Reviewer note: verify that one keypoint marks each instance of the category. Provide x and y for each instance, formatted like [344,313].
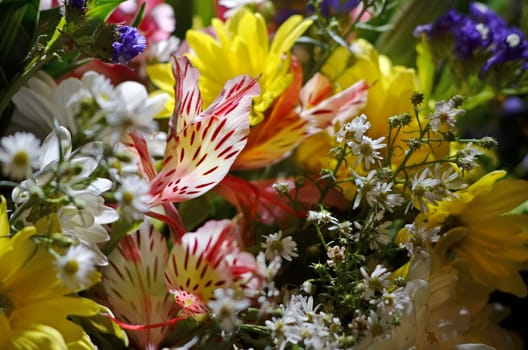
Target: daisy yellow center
[21,159]
[71,267]
[128,197]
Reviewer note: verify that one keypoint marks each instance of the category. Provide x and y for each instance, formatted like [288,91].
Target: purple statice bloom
[481,13]
[443,25]
[469,37]
[509,45]
[129,44]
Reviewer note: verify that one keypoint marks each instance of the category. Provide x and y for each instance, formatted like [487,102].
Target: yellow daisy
[240,46]
[34,304]
[478,233]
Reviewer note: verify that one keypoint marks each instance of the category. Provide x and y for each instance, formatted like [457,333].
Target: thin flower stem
[320,235]
[329,185]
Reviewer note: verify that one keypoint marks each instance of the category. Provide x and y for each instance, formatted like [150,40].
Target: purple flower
[482,14]
[130,44]
[470,36]
[510,45]
[443,25]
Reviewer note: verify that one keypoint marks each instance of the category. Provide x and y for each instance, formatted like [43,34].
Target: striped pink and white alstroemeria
[201,145]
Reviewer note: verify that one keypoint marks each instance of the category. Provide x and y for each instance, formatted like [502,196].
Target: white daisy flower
[366,151]
[19,155]
[134,197]
[423,191]
[378,280]
[353,131]
[276,246]
[76,268]
[321,217]
[225,306]
[135,111]
[444,114]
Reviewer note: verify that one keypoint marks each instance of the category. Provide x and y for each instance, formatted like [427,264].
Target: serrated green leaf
[101,9]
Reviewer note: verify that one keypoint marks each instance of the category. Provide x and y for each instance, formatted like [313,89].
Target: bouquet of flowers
[262,174]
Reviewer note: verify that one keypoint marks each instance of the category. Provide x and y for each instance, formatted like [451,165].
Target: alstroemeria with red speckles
[205,260]
[300,112]
[201,145]
[134,288]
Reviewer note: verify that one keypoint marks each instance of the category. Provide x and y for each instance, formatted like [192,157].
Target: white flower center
[513,40]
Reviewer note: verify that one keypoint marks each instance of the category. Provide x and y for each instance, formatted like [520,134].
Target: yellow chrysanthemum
[241,46]
[34,304]
[478,232]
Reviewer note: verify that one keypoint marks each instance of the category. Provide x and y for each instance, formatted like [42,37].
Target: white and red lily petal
[199,155]
[134,288]
[205,260]
[322,112]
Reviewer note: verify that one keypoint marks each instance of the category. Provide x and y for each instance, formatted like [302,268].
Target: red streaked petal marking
[134,286]
[201,152]
[341,106]
[187,94]
[204,260]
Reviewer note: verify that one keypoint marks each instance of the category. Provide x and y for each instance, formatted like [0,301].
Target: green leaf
[103,332]
[17,25]
[119,229]
[194,212]
[205,10]
[139,17]
[101,9]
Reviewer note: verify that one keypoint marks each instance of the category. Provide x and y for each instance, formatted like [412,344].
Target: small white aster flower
[366,151]
[133,197]
[419,238]
[467,158]
[378,280]
[381,196]
[353,131]
[76,268]
[423,191]
[19,154]
[444,114]
[364,185]
[276,246]
[225,306]
[448,178]
[343,228]
[321,217]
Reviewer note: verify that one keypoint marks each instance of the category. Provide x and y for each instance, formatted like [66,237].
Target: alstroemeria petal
[199,156]
[134,284]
